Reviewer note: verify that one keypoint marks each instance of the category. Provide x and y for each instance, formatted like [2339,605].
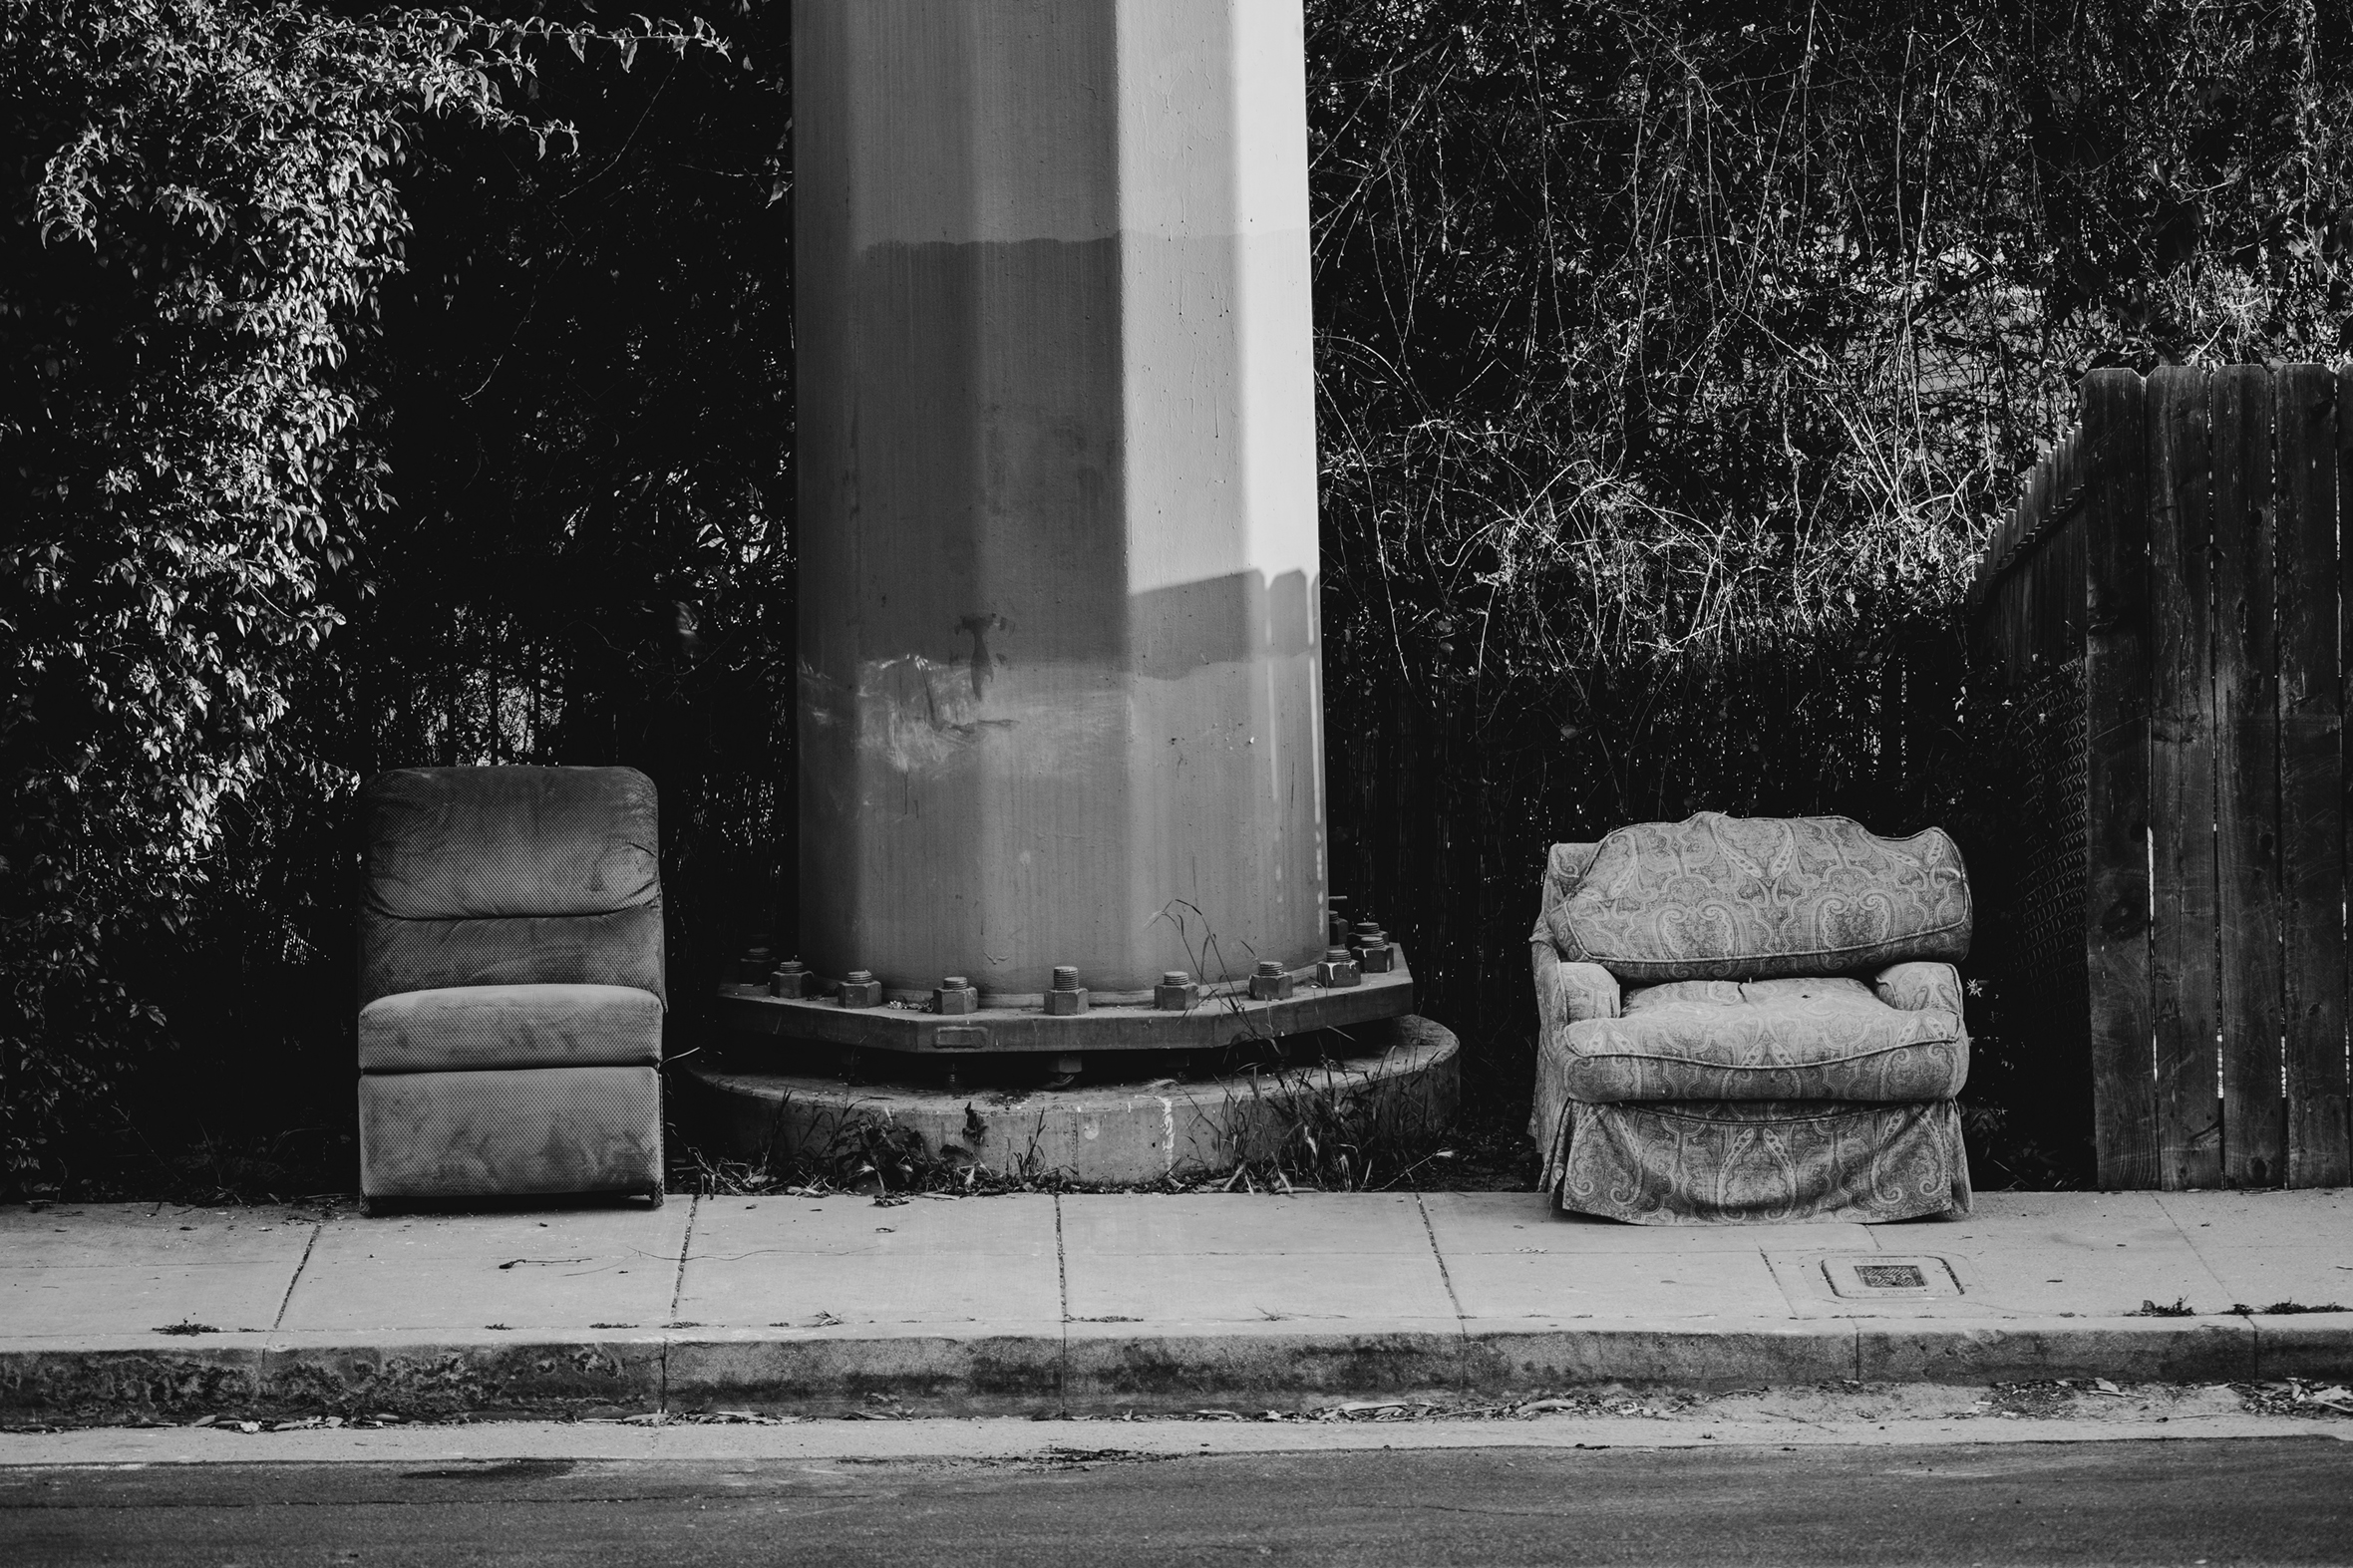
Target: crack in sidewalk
[1062,1273]
[287,1300]
[686,1242]
[1445,1276]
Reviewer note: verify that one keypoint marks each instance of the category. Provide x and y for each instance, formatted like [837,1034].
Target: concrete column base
[1391,1103]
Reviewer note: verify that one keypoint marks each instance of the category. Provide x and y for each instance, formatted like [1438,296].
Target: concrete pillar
[1059,636]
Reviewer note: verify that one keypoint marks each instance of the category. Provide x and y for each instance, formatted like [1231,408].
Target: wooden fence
[2173,567]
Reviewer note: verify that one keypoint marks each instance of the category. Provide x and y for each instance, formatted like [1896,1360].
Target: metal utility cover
[1881,1276]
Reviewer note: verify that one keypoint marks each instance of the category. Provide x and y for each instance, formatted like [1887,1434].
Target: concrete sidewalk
[1044,1304]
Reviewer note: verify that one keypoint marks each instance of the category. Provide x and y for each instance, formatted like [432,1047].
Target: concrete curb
[1047,1369]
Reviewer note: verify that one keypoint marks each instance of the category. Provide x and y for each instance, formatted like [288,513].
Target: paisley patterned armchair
[1752,1020]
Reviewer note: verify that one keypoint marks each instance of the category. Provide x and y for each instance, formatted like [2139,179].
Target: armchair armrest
[1917,987]
[1569,993]
[1589,990]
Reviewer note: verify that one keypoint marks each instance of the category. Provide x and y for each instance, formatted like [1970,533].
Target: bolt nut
[1339,968]
[955,995]
[859,988]
[1270,983]
[1066,997]
[1377,958]
[1176,993]
[789,980]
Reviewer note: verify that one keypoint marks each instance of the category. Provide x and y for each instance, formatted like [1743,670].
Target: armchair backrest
[1716,897]
[510,875]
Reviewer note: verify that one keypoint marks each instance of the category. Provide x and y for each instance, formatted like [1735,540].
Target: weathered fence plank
[2116,695]
[2197,520]
[2246,703]
[2181,780]
[2344,480]
[2311,780]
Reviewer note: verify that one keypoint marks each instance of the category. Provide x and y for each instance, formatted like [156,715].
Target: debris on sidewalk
[1510,1407]
[2296,1396]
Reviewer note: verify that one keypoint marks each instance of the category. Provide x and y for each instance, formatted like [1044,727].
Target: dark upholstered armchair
[511,983]
[1752,1020]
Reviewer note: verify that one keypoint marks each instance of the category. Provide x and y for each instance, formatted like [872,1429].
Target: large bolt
[859,988]
[955,994]
[1339,918]
[789,980]
[1270,982]
[1176,993]
[1338,968]
[1066,997]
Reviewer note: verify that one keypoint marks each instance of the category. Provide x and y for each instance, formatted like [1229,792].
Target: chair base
[529,1132]
[1730,1162]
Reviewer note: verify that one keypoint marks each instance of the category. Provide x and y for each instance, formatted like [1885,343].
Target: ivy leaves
[201,211]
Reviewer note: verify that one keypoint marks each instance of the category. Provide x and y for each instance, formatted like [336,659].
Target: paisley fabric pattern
[1718,897]
[1764,1040]
[1759,1162]
[1564,869]
[1588,991]
[1565,993]
[1705,1100]
[1918,987]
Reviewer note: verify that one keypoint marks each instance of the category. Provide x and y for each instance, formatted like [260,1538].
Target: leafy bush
[202,215]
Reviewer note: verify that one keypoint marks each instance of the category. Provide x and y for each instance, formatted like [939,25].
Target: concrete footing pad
[1396,1091]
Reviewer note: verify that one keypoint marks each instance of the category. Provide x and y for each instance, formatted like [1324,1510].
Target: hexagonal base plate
[1216,1022]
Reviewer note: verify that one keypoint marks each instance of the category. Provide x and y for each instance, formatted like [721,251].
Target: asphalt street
[2198,1501]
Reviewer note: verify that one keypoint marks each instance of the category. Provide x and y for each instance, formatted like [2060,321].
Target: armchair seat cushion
[1764,1040]
[483,1027]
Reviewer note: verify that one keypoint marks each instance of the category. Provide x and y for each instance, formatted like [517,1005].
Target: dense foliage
[204,218]
[1673,360]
